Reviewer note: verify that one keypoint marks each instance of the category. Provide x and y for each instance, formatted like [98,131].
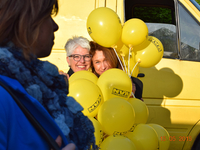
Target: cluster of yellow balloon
[119,121]
[139,49]
[131,42]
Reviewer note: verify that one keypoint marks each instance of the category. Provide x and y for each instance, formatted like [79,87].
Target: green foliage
[198,1]
[153,14]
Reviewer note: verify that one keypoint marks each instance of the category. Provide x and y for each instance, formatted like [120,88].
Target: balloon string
[129,60]
[124,64]
[119,60]
[133,95]
[134,68]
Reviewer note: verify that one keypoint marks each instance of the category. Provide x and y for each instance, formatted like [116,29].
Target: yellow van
[172,87]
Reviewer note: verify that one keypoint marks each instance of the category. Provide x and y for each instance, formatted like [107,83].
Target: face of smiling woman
[81,64]
[100,63]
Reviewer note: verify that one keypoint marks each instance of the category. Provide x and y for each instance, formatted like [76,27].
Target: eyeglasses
[78,57]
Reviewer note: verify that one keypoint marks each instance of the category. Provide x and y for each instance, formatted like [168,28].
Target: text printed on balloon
[95,105]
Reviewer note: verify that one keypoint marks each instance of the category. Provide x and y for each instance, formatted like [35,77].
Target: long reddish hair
[108,53]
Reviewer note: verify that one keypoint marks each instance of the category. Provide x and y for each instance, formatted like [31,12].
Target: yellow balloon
[104,26]
[134,32]
[117,143]
[163,136]
[116,116]
[115,83]
[87,94]
[141,110]
[144,137]
[98,131]
[149,53]
[83,74]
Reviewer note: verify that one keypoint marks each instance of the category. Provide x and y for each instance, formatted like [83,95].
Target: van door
[171,88]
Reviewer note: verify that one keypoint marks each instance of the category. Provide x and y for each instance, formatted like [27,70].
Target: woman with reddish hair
[104,58]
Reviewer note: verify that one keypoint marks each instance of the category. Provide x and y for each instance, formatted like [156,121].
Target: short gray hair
[74,42]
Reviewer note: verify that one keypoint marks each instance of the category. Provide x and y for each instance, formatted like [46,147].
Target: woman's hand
[133,91]
[63,73]
[133,88]
[70,146]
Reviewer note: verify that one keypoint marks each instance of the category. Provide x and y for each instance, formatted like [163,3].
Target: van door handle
[140,75]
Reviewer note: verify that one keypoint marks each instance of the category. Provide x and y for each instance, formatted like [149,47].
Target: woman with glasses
[78,56]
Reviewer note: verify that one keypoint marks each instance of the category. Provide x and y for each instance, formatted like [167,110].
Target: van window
[189,35]
[160,20]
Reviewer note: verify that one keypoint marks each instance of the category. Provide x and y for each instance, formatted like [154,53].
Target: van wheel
[196,145]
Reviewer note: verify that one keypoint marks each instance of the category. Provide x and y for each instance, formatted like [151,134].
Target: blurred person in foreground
[27,33]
